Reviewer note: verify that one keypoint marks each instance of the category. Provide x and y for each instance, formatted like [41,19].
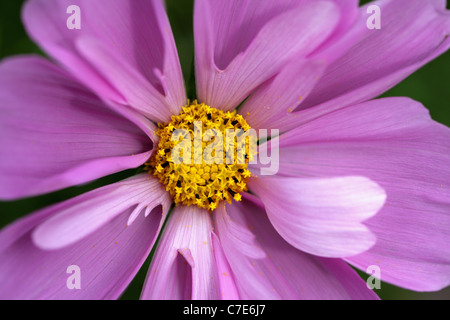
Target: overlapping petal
[275,269]
[394,142]
[107,259]
[412,34]
[321,216]
[184,266]
[271,106]
[357,65]
[124,50]
[239,45]
[54,133]
[77,218]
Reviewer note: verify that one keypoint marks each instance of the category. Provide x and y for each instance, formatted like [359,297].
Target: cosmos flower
[360,182]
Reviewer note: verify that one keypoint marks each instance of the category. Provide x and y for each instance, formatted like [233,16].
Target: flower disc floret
[213,166]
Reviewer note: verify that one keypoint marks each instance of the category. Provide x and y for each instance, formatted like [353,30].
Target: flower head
[359,182]
[211,172]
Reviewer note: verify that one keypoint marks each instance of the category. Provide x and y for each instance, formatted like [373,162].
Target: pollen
[202,156]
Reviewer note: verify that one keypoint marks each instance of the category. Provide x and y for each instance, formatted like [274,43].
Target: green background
[429,85]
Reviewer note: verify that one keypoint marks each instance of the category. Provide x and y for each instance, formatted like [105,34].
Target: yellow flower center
[203,155]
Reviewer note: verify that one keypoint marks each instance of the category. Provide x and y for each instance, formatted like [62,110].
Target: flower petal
[107,259]
[230,63]
[183,266]
[413,32]
[135,33]
[283,272]
[395,143]
[77,218]
[54,133]
[321,216]
[271,106]
[228,288]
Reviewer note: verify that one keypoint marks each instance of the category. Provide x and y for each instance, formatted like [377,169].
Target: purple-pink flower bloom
[360,181]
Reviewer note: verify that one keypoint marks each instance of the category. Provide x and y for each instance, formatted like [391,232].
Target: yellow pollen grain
[207,183]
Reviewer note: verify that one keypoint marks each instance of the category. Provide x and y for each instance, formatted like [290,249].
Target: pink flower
[361,182]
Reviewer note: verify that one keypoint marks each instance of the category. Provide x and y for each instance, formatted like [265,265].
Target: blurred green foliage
[430,85]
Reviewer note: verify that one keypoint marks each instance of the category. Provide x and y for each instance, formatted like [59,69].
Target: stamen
[205,180]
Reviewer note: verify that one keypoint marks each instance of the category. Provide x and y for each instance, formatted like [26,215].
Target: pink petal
[108,259]
[183,266]
[141,95]
[233,58]
[413,32]
[79,217]
[349,17]
[282,272]
[394,142]
[136,34]
[349,63]
[54,133]
[228,288]
[271,106]
[321,216]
